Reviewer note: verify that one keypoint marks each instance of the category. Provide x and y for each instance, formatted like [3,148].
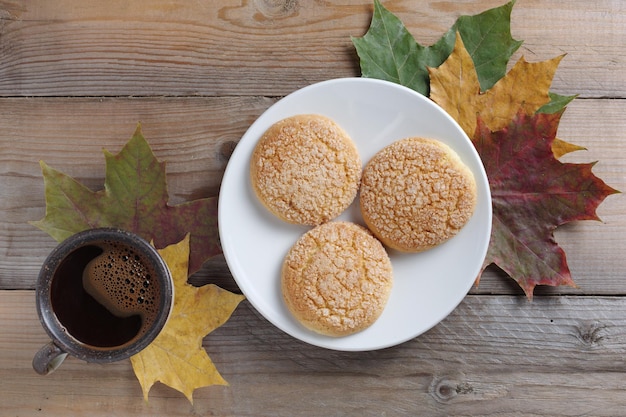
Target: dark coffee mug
[102,296]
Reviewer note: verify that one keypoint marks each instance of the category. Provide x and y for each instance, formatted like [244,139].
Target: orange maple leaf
[176,357]
[454,86]
[560,148]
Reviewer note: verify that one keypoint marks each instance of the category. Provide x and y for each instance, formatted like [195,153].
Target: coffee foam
[122,280]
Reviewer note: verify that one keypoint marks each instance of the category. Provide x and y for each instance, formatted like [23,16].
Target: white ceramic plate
[427,286]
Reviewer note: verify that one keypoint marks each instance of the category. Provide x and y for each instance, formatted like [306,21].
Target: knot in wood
[444,390]
[273,9]
[590,334]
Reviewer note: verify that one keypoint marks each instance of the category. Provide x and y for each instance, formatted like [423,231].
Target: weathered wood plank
[500,355]
[70,133]
[195,136]
[181,48]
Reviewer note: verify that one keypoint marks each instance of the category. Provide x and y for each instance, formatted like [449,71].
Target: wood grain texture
[501,355]
[77,76]
[268,47]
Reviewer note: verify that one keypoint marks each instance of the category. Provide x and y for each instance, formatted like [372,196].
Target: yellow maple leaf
[454,86]
[176,357]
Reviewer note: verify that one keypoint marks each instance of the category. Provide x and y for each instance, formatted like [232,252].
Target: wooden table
[76,77]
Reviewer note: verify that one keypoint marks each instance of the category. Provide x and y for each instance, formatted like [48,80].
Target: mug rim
[56,330]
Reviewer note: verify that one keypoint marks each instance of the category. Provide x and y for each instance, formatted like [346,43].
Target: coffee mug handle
[49,358]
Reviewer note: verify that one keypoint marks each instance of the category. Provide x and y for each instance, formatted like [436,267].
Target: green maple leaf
[389,52]
[556,104]
[533,193]
[134,198]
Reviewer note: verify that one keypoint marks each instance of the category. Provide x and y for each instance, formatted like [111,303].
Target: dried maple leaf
[134,198]
[389,52]
[556,104]
[532,194]
[467,78]
[176,357]
[454,86]
[560,148]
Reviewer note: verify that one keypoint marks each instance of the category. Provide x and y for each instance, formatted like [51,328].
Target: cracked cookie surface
[416,193]
[305,169]
[336,279]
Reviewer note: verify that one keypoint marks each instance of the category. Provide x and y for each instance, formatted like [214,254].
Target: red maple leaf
[533,193]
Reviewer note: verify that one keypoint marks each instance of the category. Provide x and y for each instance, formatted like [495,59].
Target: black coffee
[104,294]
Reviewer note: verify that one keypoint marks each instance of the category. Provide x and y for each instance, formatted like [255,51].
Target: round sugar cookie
[336,279]
[305,169]
[416,193]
